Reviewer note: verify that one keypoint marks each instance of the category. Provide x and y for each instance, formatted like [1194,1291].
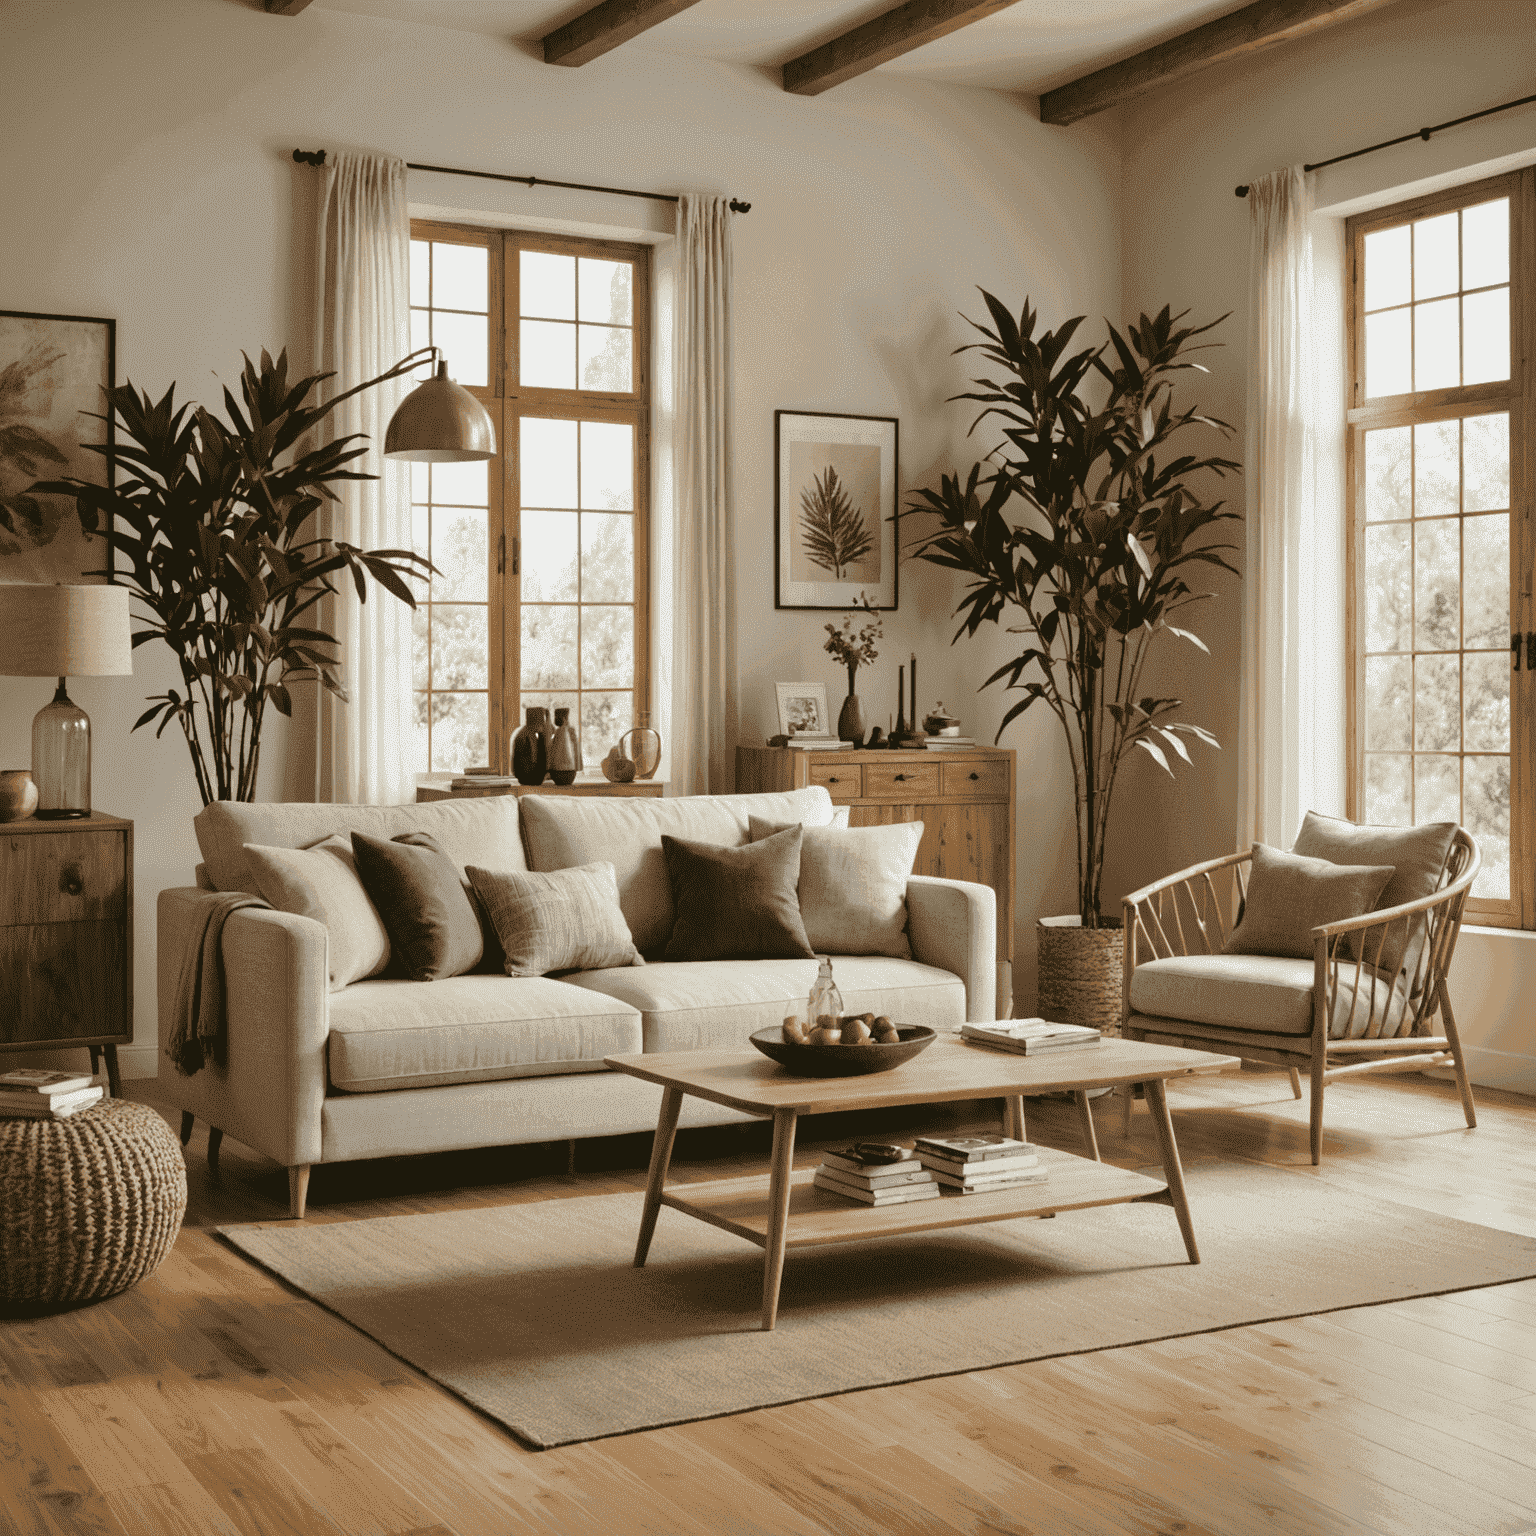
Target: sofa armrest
[270,1090]
[953,925]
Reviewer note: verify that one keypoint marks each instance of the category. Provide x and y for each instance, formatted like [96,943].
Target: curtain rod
[1421,133]
[317,157]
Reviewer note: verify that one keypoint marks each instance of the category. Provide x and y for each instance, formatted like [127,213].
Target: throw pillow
[853,885]
[736,903]
[321,882]
[566,920]
[433,927]
[1288,896]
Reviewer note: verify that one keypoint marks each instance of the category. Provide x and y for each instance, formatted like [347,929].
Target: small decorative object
[564,749]
[546,731]
[803,709]
[563,717]
[18,794]
[530,747]
[643,746]
[903,737]
[854,649]
[825,1007]
[835,510]
[939,723]
[617,768]
[876,740]
[888,1048]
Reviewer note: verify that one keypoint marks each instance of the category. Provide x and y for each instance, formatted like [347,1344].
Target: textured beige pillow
[567,920]
[321,881]
[853,886]
[1288,896]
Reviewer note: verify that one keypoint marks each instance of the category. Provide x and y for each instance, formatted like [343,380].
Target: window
[1442,431]
[541,591]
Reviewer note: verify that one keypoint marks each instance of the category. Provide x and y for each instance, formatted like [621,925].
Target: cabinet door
[62,982]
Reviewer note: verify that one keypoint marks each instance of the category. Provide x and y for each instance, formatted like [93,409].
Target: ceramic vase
[564,752]
[617,768]
[530,747]
[563,717]
[642,746]
[18,794]
[850,718]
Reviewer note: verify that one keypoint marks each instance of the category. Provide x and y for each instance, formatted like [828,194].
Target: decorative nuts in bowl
[842,1047]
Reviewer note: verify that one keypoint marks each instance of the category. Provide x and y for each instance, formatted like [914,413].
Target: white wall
[145,174]
[1186,243]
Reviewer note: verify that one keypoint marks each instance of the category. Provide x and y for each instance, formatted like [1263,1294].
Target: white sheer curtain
[1289,732]
[705,674]
[362,326]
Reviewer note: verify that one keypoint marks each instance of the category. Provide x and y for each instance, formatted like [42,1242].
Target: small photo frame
[803,709]
[834,510]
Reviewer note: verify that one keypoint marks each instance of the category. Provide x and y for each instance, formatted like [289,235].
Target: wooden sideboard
[964,799]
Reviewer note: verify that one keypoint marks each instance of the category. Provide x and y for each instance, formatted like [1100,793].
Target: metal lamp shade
[440,422]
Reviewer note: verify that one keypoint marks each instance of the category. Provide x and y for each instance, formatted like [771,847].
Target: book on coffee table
[43,1106]
[968,1149]
[866,1157]
[42,1080]
[915,1173]
[1014,1163]
[896,1194]
[974,1184]
[1030,1037]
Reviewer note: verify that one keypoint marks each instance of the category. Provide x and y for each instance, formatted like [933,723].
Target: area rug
[534,1313]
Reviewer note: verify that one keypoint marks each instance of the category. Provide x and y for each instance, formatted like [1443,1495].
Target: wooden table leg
[661,1158]
[778,1211]
[1173,1171]
[1013,1118]
[1085,1119]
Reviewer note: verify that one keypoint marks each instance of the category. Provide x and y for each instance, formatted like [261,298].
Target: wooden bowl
[842,1060]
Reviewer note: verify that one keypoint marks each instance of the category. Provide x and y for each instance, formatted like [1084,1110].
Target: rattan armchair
[1362,1019]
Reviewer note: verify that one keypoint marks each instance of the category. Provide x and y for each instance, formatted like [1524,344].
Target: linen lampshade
[440,422]
[64,631]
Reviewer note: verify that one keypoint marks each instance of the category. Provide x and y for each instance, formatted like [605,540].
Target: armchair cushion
[1289,896]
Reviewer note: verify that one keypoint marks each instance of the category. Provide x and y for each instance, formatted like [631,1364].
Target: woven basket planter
[88,1205]
[1080,978]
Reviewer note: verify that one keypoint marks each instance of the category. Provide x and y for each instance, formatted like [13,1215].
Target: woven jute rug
[534,1314]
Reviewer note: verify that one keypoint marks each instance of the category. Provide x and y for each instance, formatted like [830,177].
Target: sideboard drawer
[63,877]
[979,780]
[840,780]
[901,781]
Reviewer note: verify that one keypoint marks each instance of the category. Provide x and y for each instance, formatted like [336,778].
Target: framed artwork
[53,371]
[834,510]
[803,709]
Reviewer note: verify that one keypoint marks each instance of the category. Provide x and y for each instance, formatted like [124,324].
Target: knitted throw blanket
[199,1029]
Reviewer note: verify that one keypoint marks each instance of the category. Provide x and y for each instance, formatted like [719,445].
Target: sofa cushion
[1262,994]
[1289,895]
[736,903]
[388,1034]
[561,831]
[568,919]
[714,1005]
[434,929]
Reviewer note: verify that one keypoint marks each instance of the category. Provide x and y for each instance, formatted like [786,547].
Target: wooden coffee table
[786,1210]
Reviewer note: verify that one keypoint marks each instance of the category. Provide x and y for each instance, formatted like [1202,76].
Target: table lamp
[61,631]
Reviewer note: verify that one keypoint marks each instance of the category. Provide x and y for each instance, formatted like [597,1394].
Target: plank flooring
[213,1399]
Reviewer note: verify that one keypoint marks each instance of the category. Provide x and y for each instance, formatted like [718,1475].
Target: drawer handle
[901,778]
[833,779]
[974,777]
[69,880]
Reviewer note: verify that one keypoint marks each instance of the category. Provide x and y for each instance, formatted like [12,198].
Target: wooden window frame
[508,402]
[1517,395]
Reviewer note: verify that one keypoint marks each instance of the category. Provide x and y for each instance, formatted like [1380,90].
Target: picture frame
[56,374]
[803,709]
[835,513]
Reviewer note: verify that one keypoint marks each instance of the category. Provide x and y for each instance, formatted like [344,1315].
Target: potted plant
[212,535]
[853,648]
[1082,531]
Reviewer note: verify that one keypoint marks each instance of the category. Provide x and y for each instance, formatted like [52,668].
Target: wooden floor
[213,1399]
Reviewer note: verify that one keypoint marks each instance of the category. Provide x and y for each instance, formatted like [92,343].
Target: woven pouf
[88,1205]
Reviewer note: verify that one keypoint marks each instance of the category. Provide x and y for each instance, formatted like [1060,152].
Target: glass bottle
[61,759]
[826,1002]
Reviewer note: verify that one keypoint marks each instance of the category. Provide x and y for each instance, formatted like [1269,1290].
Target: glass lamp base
[61,759]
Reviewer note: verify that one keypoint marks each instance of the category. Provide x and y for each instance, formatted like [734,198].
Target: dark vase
[562,717]
[564,750]
[850,719]
[530,747]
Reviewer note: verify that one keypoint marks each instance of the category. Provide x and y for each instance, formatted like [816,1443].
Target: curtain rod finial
[1241,191]
[737,206]
[309,157]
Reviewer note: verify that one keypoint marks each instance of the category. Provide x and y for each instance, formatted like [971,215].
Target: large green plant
[1109,530]
[211,534]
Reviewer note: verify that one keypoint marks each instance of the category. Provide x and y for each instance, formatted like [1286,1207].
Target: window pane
[1388,796]
[1486,701]
[1436,345]
[458,646]
[1388,474]
[1485,583]
[1437,580]
[1487,819]
[1436,789]
[1388,353]
[460,732]
[1388,705]
[1436,469]
[1486,316]
[421,272]
[459,276]
[605,290]
[1485,244]
[1487,466]
[419,651]
[463,341]
[548,463]
[421,543]
[421,751]
[604,718]
[421,481]
[549,647]
[1389,588]
[607,647]
[1437,703]
[549,557]
[548,356]
[1434,257]
[1388,267]
[460,485]
[547,285]
[421,336]
[607,557]
[460,552]
[605,358]
[608,465]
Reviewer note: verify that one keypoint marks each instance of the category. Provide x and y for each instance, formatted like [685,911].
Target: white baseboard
[1495,1069]
[138,1061]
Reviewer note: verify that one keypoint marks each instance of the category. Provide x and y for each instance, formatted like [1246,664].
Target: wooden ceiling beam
[605,27]
[284,7]
[885,38]
[1258,26]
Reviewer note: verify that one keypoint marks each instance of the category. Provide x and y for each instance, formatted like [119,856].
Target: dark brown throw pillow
[736,903]
[433,927]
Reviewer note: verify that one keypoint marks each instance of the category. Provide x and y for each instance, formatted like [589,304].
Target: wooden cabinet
[66,935]
[964,800]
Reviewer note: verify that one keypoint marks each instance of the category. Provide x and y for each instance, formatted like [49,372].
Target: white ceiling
[1032,46]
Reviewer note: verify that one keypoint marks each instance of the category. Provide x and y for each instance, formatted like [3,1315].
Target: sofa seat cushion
[1261,994]
[389,1034]
[713,1005]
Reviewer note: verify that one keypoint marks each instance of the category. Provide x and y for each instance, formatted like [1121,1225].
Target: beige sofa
[390,1067]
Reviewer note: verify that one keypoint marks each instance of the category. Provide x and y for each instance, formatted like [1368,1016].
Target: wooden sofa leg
[215,1138]
[298,1190]
[1295,1082]
[1468,1108]
[1319,1066]
[188,1120]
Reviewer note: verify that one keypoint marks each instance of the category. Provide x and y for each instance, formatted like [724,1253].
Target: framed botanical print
[55,372]
[803,709]
[834,511]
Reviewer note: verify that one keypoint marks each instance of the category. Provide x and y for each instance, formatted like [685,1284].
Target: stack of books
[1030,1037]
[952,743]
[976,1165]
[877,1178]
[816,743]
[32,1093]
